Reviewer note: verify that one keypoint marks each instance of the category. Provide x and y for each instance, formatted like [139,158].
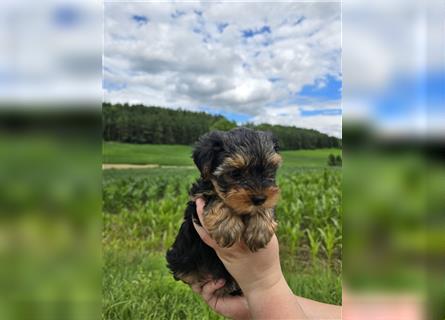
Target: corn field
[308,213]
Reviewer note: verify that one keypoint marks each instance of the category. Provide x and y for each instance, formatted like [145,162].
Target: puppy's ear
[208,152]
[271,136]
[276,145]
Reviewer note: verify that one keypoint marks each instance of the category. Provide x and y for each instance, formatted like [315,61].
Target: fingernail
[221,281]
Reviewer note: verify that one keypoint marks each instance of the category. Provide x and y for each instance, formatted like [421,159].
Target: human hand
[254,271]
[267,295]
[234,307]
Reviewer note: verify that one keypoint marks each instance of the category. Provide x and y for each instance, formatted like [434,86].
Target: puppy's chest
[212,201]
[227,226]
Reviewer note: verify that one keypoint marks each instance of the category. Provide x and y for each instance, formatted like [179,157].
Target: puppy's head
[242,165]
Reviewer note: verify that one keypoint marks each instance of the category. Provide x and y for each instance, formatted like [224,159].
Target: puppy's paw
[259,230]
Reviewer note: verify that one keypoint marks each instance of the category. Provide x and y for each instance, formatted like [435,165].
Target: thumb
[203,234]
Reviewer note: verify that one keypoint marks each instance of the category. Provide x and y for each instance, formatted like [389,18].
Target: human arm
[237,307]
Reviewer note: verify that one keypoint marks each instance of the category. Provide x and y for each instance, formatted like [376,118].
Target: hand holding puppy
[266,293]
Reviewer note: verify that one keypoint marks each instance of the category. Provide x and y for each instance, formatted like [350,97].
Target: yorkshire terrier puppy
[237,183]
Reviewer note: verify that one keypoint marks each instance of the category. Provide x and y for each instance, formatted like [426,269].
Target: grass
[180,155]
[143,210]
[137,285]
[173,155]
[151,173]
[307,158]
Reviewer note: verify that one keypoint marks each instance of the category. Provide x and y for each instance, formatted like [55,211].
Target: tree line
[156,125]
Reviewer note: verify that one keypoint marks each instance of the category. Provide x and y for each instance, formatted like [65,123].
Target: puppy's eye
[236,174]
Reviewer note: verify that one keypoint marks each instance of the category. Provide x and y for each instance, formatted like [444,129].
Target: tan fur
[236,161]
[223,226]
[275,159]
[260,229]
[217,190]
[272,196]
[226,226]
[224,219]
[238,199]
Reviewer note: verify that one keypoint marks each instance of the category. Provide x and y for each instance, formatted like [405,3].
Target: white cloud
[291,116]
[188,62]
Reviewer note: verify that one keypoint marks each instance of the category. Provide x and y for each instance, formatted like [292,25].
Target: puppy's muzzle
[258,200]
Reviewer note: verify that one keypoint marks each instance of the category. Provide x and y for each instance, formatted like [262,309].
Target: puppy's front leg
[259,229]
[224,227]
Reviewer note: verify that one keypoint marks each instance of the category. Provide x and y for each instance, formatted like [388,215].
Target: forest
[155,125]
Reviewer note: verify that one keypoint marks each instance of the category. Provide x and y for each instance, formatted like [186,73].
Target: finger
[208,291]
[200,210]
[196,287]
[202,231]
[205,236]
[233,307]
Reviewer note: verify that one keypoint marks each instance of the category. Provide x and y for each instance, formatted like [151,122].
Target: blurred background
[393,167]
[50,153]
[394,182]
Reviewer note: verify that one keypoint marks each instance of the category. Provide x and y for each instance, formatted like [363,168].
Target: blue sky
[250,33]
[273,63]
[328,89]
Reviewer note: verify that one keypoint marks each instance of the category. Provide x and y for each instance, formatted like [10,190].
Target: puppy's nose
[258,199]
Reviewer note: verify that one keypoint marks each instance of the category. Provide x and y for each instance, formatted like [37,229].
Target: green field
[143,209]
[173,155]
[179,155]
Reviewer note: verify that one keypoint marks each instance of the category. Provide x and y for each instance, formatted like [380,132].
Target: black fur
[208,152]
[190,255]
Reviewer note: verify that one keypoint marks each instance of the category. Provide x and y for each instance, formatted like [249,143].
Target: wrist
[265,285]
[274,302]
